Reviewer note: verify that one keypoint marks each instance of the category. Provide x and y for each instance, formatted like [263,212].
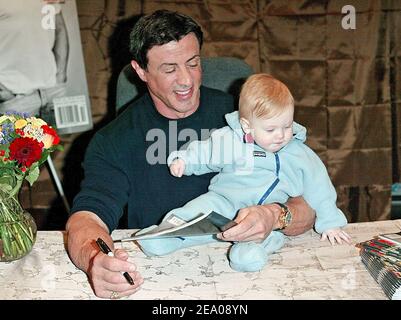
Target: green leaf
[33,175]
[59,147]
[6,188]
[43,158]
[7,178]
[19,176]
[7,165]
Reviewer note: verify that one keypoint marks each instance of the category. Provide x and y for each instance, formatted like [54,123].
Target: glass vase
[17,228]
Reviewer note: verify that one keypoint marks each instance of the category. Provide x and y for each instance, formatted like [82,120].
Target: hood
[233,122]
[299,131]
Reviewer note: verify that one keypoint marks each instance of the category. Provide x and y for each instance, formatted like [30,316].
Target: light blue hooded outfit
[249,175]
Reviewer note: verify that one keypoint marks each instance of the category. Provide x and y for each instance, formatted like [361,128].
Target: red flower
[25,150]
[51,137]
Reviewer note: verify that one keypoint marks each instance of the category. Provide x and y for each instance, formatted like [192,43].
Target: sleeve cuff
[176,154]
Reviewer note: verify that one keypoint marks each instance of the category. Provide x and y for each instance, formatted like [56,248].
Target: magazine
[386,274]
[392,237]
[383,249]
[382,258]
[174,226]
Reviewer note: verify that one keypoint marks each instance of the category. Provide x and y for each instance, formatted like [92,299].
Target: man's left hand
[253,224]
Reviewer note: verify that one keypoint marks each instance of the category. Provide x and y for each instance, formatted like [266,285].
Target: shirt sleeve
[105,188]
[320,193]
[205,156]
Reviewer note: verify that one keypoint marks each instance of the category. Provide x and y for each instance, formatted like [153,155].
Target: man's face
[174,76]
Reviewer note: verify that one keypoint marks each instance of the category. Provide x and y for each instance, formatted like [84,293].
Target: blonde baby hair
[263,96]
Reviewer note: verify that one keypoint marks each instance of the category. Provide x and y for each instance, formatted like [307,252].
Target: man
[120,170]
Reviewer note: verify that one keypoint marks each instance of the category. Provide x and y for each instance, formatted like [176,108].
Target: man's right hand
[104,272]
[107,280]
[177,168]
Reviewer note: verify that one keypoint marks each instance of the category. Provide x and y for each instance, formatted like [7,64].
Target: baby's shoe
[164,246]
[160,246]
[251,256]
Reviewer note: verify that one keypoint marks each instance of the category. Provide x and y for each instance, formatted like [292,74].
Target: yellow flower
[37,122]
[20,123]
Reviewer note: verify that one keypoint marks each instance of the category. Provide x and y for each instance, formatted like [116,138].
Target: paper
[173,226]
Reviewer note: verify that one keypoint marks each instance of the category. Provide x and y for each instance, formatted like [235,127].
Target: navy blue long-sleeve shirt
[120,169]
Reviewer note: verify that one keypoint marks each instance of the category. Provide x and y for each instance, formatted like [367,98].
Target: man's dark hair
[158,28]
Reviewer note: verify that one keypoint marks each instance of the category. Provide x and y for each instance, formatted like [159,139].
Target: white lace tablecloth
[305,268]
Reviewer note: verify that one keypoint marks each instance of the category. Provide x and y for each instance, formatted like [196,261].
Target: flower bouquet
[25,143]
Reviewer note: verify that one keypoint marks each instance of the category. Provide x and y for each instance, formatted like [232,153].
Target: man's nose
[184,77]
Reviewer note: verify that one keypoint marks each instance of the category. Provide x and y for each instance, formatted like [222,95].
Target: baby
[261,158]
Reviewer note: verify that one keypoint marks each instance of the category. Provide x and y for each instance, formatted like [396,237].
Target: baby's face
[274,133]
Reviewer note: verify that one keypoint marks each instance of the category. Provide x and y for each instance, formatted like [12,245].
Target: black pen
[106,250]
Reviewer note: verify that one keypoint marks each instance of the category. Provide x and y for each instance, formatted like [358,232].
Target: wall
[346,82]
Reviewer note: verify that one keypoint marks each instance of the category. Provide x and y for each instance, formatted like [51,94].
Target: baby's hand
[336,235]
[177,168]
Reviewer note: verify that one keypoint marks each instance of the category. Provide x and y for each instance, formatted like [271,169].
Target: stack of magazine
[382,258]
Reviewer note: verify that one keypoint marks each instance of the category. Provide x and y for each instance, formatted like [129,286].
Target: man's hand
[303,217]
[61,77]
[254,224]
[5,94]
[177,168]
[105,274]
[336,235]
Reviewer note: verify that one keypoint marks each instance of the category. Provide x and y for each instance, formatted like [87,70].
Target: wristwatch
[285,216]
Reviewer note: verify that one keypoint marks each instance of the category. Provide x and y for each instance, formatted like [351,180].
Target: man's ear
[141,72]
[245,125]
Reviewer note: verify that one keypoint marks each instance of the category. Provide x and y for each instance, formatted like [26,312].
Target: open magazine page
[173,226]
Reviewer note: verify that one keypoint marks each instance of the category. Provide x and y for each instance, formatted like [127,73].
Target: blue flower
[6,129]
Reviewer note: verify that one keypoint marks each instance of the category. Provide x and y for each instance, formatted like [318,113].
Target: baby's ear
[245,125]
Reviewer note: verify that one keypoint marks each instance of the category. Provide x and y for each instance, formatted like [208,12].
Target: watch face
[288,218]
[285,216]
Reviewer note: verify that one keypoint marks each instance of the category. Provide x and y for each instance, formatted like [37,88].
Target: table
[305,268]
